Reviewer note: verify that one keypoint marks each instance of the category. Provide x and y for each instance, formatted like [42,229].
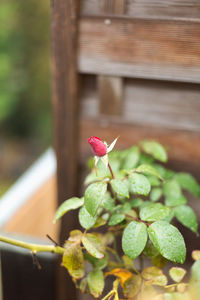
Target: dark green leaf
[116,219]
[94,195]
[139,184]
[134,239]
[97,263]
[159,261]
[136,202]
[148,170]
[120,187]
[168,240]
[155,194]
[155,149]
[154,212]
[72,203]
[93,245]
[132,286]
[187,217]
[149,250]
[73,260]
[95,280]
[189,183]
[85,219]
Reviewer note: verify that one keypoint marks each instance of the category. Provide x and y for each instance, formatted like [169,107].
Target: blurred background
[25,105]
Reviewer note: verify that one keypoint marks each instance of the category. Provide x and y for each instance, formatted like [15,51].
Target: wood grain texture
[65,107]
[149,8]
[183,146]
[156,103]
[110,88]
[152,49]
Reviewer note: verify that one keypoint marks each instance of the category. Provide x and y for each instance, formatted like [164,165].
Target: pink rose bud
[98,146]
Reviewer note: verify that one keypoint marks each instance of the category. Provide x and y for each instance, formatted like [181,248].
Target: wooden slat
[65,104]
[183,146]
[149,8]
[110,88]
[156,103]
[110,95]
[152,49]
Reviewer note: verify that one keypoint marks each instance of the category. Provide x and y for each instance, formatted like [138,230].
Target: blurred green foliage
[25,69]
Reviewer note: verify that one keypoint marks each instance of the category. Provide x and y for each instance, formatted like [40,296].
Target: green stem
[109,294]
[33,247]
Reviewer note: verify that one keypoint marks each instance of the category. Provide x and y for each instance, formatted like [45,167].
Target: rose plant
[128,216]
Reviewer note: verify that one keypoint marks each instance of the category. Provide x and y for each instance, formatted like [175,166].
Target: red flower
[98,146]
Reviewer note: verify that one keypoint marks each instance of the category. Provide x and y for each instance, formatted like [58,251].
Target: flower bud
[98,146]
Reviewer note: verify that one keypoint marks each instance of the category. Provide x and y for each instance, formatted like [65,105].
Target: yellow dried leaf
[122,274]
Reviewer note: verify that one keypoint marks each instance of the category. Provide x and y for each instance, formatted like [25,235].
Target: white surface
[26,185]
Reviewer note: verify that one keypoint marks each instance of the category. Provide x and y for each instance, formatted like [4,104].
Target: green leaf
[85,219]
[73,260]
[116,219]
[168,240]
[132,158]
[159,261]
[72,203]
[187,217]
[154,212]
[83,285]
[139,184]
[132,286]
[177,274]
[120,187]
[95,280]
[194,287]
[154,276]
[93,245]
[134,239]
[108,202]
[155,194]
[172,191]
[136,202]
[97,263]
[154,181]
[148,170]
[149,250]
[155,149]
[93,196]
[175,201]
[189,183]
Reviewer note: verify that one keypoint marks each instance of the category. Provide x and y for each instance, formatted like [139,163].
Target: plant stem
[33,247]
[111,171]
[109,294]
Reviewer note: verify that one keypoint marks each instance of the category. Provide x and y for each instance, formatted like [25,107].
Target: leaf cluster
[136,210]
